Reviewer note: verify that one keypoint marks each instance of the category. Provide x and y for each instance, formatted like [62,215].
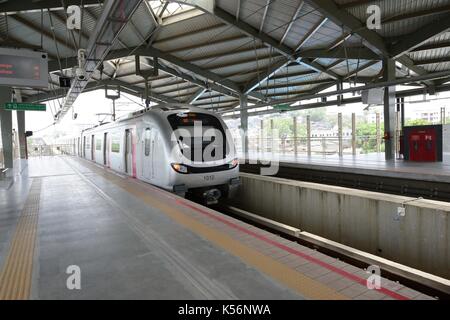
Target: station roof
[211,53]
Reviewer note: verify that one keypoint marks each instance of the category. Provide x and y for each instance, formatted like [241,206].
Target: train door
[84,147]
[105,150]
[92,147]
[129,156]
[147,163]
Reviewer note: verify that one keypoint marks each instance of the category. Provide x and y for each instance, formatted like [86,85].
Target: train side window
[147,142]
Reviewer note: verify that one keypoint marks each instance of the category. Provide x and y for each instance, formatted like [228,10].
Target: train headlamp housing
[180,168]
[233,164]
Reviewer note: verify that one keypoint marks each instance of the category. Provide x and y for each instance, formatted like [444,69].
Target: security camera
[80,74]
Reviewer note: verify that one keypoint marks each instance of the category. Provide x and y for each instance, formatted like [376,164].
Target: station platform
[131,240]
[368,164]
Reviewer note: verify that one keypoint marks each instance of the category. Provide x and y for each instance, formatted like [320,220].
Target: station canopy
[209,53]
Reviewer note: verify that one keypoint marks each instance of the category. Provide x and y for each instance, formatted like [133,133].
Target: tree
[367,136]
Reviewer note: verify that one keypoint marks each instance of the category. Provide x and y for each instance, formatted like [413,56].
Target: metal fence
[50,150]
[313,146]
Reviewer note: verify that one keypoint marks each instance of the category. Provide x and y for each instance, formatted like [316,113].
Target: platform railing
[301,145]
[50,150]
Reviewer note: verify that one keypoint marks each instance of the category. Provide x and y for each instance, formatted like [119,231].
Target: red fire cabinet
[423,143]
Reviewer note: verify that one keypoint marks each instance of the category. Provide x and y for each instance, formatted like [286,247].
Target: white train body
[146,146]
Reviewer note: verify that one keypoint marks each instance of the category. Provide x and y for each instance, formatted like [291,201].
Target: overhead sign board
[23,68]
[282,107]
[19,106]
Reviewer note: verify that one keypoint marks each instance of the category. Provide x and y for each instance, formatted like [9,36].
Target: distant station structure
[234,57]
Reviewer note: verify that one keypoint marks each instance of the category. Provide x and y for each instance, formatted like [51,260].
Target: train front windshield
[201,137]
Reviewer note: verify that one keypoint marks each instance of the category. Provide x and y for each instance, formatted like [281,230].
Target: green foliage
[367,136]
[317,114]
[417,122]
[285,127]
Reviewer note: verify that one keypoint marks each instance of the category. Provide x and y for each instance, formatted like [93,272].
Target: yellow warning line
[289,277]
[15,277]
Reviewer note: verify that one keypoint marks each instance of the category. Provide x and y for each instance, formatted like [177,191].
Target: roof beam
[45,32]
[217,80]
[356,3]
[417,38]
[254,33]
[107,32]
[291,23]
[415,14]
[30,5]
[311,33]
[431,46]
[370,38]
[264,38]
[266,9]
[341,17]
[196,95]
[274,68]
[432,61]
[214,81]
[339,53]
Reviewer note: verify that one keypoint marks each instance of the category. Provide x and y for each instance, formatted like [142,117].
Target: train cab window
[147,142]
[187,121]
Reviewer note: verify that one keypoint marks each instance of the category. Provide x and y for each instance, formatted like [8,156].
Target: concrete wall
[446,137]
[364,220]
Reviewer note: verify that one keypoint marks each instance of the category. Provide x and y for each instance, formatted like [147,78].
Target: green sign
[282,107]
[19,106]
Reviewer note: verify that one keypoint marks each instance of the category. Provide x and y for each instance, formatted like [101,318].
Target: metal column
[378,133]
[262,147]
[21,128]
[340,97]
[341,145]
[295,140]
[308,135]
[6,127]
[354,134]
[389,110]
[244,125]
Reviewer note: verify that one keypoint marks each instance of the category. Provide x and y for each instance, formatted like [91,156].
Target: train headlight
[234,163]
[179,168]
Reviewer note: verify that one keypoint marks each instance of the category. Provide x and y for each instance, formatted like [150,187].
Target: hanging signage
[23,68]
[282,107]
[64,82]
[19,106]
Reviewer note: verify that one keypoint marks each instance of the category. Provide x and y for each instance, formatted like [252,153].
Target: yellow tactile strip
[289,277]
[15,277]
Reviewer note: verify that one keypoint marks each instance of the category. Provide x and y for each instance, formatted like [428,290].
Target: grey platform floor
[124,248]
[134,241]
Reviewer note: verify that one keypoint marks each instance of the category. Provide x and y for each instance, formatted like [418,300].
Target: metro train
[182,149]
